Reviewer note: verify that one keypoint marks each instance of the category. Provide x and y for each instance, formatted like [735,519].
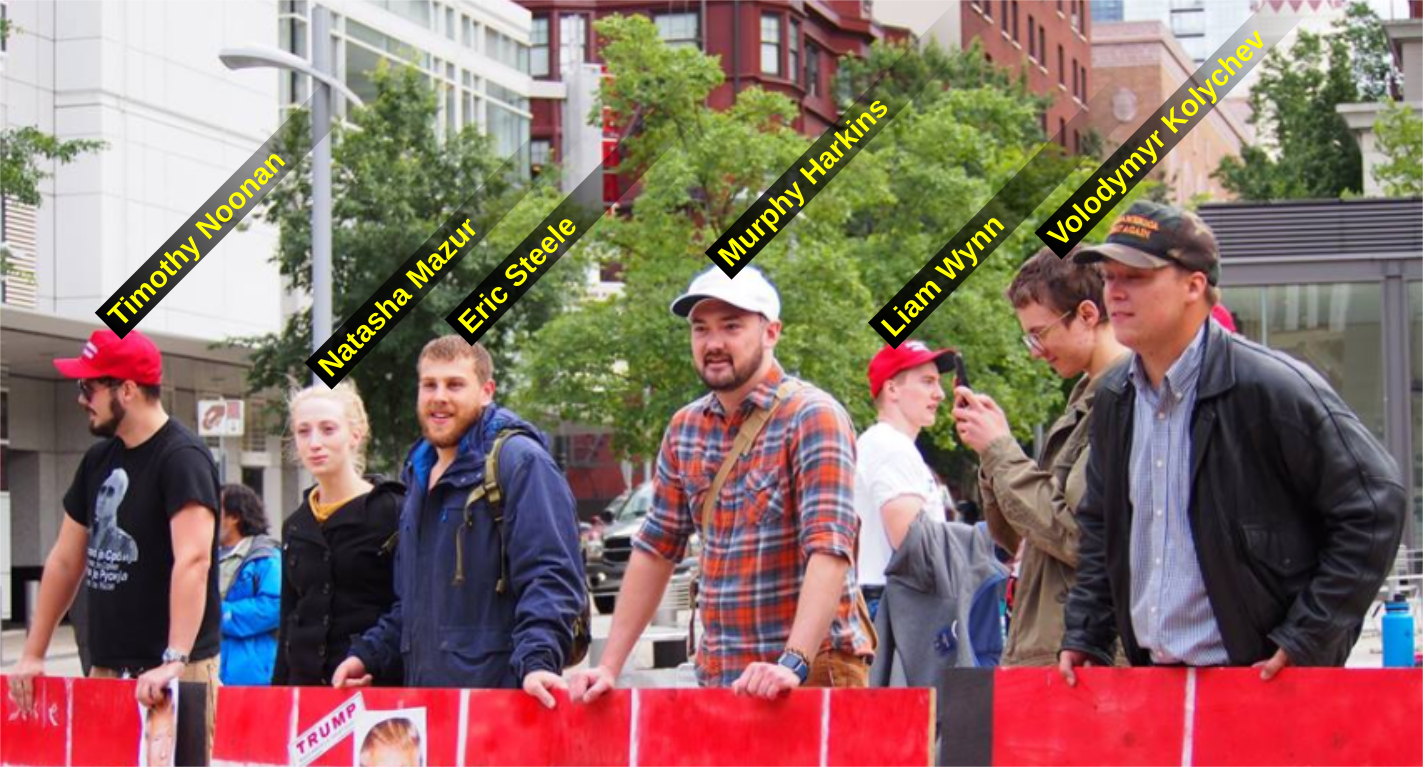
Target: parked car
[607,559]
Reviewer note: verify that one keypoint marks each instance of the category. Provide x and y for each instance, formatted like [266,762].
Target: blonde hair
[396,733]
[452,348]
[349,400]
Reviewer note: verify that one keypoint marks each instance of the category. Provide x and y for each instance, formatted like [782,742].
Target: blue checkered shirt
[1170,610]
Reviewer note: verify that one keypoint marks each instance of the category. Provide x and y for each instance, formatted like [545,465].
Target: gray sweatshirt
[940,604]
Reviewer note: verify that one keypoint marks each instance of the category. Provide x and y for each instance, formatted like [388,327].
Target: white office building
[145,78]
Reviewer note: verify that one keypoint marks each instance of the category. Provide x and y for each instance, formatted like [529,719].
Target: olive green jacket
[1031,503]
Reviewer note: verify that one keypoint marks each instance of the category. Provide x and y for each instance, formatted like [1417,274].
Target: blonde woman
[338,549]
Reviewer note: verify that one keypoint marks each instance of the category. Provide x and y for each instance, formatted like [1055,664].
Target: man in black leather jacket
[1237,511]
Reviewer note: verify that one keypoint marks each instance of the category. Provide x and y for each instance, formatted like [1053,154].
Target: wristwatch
[173,656]
[796,662]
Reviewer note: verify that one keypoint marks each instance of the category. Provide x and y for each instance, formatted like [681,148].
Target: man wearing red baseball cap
[906,542]
[140,532]
[892,481]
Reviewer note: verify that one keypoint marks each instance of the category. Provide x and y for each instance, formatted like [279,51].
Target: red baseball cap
[132,358]
[890,362]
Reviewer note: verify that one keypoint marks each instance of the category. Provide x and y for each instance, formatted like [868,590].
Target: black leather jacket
[1296,511]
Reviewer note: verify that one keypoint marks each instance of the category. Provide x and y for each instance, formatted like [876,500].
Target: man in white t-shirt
[892,482]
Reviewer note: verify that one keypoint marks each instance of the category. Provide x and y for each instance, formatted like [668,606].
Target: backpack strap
[493,496]
[745,437]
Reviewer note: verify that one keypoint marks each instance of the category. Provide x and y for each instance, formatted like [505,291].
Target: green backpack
[493,496]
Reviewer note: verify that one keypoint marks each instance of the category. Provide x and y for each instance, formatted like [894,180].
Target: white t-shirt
[888,466]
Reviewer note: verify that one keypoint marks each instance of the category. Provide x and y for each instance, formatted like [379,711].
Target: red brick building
[1046,39]
[788,46]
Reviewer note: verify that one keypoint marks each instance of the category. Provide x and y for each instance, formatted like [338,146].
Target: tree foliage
[1399,133]
[625,361]
[394,182]
[1304,149]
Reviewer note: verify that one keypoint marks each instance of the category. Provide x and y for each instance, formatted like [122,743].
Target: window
[1188,23]
[1061,67]
[679,30]
[1084,83]
[450,23]
[538,52]
[1106,10]
[812,69]
[1076,15]
[1004,17]
[1042,43]
[793,50]
[572,40]
[467,30]
[1075,79]
[539,156]
[1032,38]
[771,44]
[1015,20]
[506,50]
[295,86]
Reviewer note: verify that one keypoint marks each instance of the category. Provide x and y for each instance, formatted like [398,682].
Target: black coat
[337,581]
[1296,511]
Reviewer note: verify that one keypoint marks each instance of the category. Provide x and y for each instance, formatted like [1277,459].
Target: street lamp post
[323,81]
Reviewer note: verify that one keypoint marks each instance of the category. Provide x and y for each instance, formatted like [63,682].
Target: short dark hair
[241,501]
[1060,284]
[150,392]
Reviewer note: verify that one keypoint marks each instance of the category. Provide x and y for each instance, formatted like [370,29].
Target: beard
[450,434]
[111,426]
[735,376]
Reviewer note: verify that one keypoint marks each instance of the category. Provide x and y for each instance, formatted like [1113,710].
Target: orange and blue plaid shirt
[790,496]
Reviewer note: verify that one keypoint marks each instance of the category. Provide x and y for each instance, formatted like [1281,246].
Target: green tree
[394,182]
[1305,149]
[1399,133]
[624,362]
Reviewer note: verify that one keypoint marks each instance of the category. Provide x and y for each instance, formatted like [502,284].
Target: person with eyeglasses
[1030,504]
[139,534]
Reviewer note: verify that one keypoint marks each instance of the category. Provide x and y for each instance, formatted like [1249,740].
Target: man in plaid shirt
[778,594]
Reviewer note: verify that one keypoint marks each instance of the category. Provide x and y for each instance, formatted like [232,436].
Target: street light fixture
[323,81]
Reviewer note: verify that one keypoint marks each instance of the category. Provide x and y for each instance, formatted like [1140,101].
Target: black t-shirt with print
[126,498]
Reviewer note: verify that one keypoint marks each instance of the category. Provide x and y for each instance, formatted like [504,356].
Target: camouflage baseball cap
[1150,235]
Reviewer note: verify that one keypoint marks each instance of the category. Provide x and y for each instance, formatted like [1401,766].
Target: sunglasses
[87,386]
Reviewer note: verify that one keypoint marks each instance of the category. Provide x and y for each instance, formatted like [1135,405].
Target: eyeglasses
[1034,340]
[88,385]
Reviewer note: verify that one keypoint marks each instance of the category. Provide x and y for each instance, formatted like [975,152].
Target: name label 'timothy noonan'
[420,275]
[164,269]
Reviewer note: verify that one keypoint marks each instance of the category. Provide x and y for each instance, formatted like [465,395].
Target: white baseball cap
[750,291]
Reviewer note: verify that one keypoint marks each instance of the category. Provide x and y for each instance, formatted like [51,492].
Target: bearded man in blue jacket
[465,615]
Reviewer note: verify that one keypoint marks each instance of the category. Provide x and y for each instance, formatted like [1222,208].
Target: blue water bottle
[1397,634]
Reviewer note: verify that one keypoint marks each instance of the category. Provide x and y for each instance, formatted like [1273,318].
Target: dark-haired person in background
[250,581]
[1030,504]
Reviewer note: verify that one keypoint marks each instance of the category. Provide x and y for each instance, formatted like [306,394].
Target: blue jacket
[467,635]
[250,614]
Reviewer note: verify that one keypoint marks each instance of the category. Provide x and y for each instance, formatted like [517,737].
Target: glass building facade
[1338,284]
